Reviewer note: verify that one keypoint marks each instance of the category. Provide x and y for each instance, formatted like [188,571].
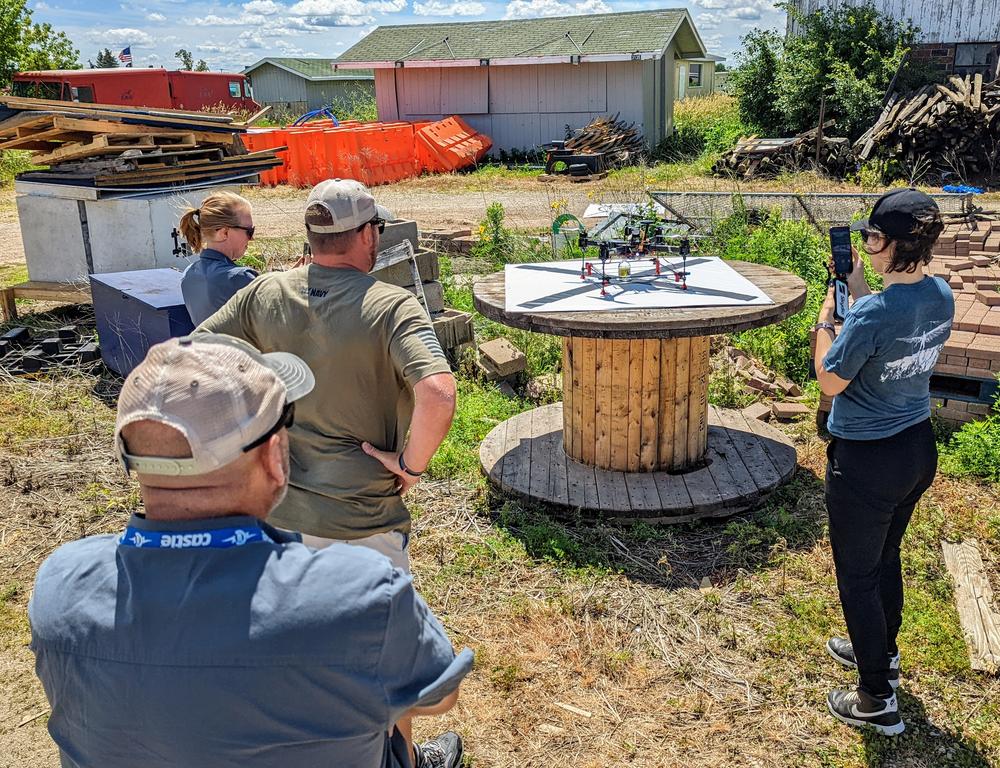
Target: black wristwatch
[405,469]
[824,326]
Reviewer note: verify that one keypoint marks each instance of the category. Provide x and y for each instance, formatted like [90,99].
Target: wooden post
[819,131]
[637,405]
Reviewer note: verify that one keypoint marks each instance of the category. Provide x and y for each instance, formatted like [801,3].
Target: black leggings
[872,487]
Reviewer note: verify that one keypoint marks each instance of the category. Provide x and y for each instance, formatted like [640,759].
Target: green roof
[608,33]
[313,69]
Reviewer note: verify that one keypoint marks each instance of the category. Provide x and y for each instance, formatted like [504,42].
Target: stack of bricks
[969,259]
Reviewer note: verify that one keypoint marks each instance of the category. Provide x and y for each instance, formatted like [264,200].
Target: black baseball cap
[896,213]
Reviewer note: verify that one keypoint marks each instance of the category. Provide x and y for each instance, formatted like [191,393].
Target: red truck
[139,88]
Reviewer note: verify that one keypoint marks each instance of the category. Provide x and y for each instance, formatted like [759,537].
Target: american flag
[125,57]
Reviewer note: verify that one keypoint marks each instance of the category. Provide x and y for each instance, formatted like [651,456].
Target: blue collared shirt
[165,651]
[210,282]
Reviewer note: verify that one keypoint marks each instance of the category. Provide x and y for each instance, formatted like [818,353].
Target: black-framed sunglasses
[249,230]
[380,223]
[284,422]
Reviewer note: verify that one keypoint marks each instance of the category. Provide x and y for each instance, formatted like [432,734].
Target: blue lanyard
[216,538]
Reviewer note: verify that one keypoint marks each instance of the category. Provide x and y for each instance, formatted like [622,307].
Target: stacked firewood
[763,158]
[621,142]
[951,128]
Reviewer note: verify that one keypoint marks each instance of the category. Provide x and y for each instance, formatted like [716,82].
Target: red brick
[979,409]
[950,370]
[980,373]
[957,405]
[787,411]
[949,414]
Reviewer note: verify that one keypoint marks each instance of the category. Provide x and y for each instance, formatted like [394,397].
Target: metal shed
[523,82]
[300,85]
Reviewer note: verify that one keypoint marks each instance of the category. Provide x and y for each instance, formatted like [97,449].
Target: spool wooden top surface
[787,291]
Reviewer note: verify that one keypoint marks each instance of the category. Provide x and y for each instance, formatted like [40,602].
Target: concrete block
[396,232]
[759,411]
[433,294]
[453,329]
[502,357]
[400,273]
[788,411]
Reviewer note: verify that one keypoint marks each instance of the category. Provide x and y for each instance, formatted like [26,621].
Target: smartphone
[843,264]
[840,244]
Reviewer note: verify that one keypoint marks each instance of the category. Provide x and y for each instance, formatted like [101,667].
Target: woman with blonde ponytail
[221,229]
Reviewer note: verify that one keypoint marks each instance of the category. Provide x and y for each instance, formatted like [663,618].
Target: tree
[201,66]
[106,59]
[754,82]
[27,46]
[186,59]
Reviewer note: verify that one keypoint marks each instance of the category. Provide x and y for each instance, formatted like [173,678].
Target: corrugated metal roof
[608,33]
[313,69]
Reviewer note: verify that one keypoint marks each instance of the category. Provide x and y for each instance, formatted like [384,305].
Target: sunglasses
[249,230]
[380,223]
[284,422]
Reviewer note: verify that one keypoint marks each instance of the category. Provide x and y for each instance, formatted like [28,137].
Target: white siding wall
[518,107]
[273,85]
[940,21]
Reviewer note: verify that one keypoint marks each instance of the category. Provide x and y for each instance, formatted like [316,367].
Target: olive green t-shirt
[368,343]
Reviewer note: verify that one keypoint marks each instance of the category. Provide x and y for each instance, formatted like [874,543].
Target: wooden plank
[697,430]
[85,125]
[75,293]
[580,485]
[588,396]
[557,459]
[636,348]
[751,449]
[517,453]
[681,394]
[700,484]
[9,126]
[152,114]
[730,473]
[723,424]
[782,455]
[8,309]
[604,403]
[538,468]
[577,398]
[619,402]
[642,493]
[649,419]
[612,494]
[974,599]
[568,388]
[491,452]
[977,91]
[668,385]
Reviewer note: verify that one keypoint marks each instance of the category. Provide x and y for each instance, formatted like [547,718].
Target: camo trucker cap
[349,203]
[218,391]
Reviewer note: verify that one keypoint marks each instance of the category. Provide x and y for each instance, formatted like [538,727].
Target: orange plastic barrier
[451,144]
[374,153]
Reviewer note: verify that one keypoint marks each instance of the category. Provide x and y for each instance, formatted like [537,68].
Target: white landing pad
[555,286]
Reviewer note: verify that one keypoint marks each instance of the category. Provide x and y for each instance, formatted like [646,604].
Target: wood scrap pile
[756,158]
[132,148]
[953,128]
[621,142]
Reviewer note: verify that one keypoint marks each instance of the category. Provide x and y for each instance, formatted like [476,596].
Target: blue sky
[230,36]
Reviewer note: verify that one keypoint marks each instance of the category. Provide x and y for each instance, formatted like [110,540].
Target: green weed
[974,449]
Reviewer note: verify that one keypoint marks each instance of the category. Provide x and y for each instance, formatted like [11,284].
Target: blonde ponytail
[217,210]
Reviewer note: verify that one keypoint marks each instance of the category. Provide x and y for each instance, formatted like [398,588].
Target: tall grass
[13,162]
[704,128]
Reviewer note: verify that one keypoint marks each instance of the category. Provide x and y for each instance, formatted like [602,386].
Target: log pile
[114,146]
[765,158]
[953,128]
[621,142]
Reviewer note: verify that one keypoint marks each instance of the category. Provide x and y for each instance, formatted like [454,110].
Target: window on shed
[973,54]
[694,76]
[234,88]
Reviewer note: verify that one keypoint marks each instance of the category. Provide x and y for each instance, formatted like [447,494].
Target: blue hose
[322,112]
[961,189]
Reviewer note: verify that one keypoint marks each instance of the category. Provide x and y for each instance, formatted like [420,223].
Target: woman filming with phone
[882,456]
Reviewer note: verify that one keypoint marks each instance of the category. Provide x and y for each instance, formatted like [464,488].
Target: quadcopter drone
[642,240]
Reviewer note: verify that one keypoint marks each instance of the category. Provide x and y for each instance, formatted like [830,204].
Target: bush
[13,162]
[974,450]
[706,125]
[849,55]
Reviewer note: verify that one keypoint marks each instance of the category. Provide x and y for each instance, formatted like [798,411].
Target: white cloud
[250,40]
[708,21]
[155,17]
[341,8]
[212,48]
[438,8]
[264,7]
[121,36]
[526,9]
[43,6]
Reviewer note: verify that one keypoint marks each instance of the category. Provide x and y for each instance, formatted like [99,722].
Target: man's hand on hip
[390,460]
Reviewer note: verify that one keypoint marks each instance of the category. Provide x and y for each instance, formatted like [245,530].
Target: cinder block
[433,295]
[502,357]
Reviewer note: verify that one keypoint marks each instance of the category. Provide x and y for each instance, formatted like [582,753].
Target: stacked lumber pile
[120,147]
[765,158]
[620,142]
[952,127]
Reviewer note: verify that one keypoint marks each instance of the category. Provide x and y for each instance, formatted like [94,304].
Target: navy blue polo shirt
[210,282]
[262,653]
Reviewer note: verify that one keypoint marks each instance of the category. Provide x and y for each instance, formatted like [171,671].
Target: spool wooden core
[636,405]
